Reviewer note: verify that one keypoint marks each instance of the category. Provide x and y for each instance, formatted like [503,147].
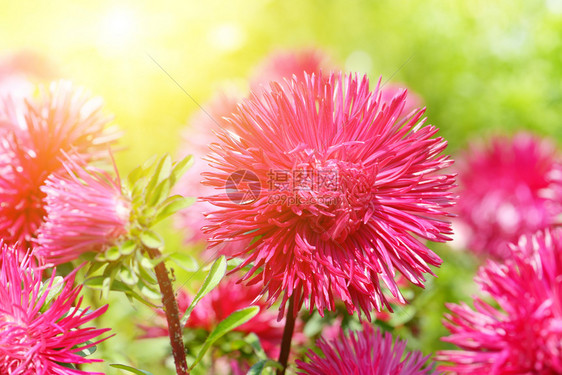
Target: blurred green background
[482,67]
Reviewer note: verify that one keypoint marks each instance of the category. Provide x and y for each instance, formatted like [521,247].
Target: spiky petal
[364,352]
[524,334]
[347,190]
[63,119]
[506,190]
[86,211]
[41,329]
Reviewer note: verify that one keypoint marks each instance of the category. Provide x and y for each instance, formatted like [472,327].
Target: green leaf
[172,205]
[161,172]
[55,288]
[261,365]
[234,320]
[180,167]
[185,261]
[87,351]
[253,340]
[151,239]
[135,175]
[112,253]
[127,247]
[131,369]
[159,194]
[128,277]
[215,275]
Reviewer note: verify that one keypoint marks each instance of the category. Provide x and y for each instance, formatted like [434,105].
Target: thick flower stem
[172,314]
[287,337]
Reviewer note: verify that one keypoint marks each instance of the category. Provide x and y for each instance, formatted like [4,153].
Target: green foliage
[131,369]
[234,320]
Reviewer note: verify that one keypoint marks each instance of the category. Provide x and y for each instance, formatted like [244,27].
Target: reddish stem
[287,337]
[172,314]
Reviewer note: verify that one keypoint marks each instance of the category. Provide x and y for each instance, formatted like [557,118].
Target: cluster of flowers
[395,190]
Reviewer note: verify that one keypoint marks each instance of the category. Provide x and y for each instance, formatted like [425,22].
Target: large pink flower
[86,210]
[226,298]
[63,119]
[524,334]
[506,190]
[41,330]
[365,352]
[346,192]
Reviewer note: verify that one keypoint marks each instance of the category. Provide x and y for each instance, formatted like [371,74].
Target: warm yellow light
[118,29]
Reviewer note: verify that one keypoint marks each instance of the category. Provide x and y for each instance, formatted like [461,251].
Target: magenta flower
[86,210]
[226,298]
[41,329]
[64,119]
[524,334]
[346,192]
[507,191]
[364,352]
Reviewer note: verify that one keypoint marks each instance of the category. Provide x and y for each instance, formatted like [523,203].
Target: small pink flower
[506,191]
[86,210]
[364,352]
[41,330]
[524,334]
[63,119]
[347,191]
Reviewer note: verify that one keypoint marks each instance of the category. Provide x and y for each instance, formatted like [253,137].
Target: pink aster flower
[365,352]
[347,192]
[41,329]
[284,64]
[63,119]
[521,333]
[86,210]
[226,298]
[506,190]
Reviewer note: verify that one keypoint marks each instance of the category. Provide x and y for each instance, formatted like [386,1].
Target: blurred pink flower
[506,190]
[197,138]
[41,328]
[346,191]
[63,119]
[19,70]
[85,211]
[284,64]
[413,100]
[364,352]
[524,334]
[226,298]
